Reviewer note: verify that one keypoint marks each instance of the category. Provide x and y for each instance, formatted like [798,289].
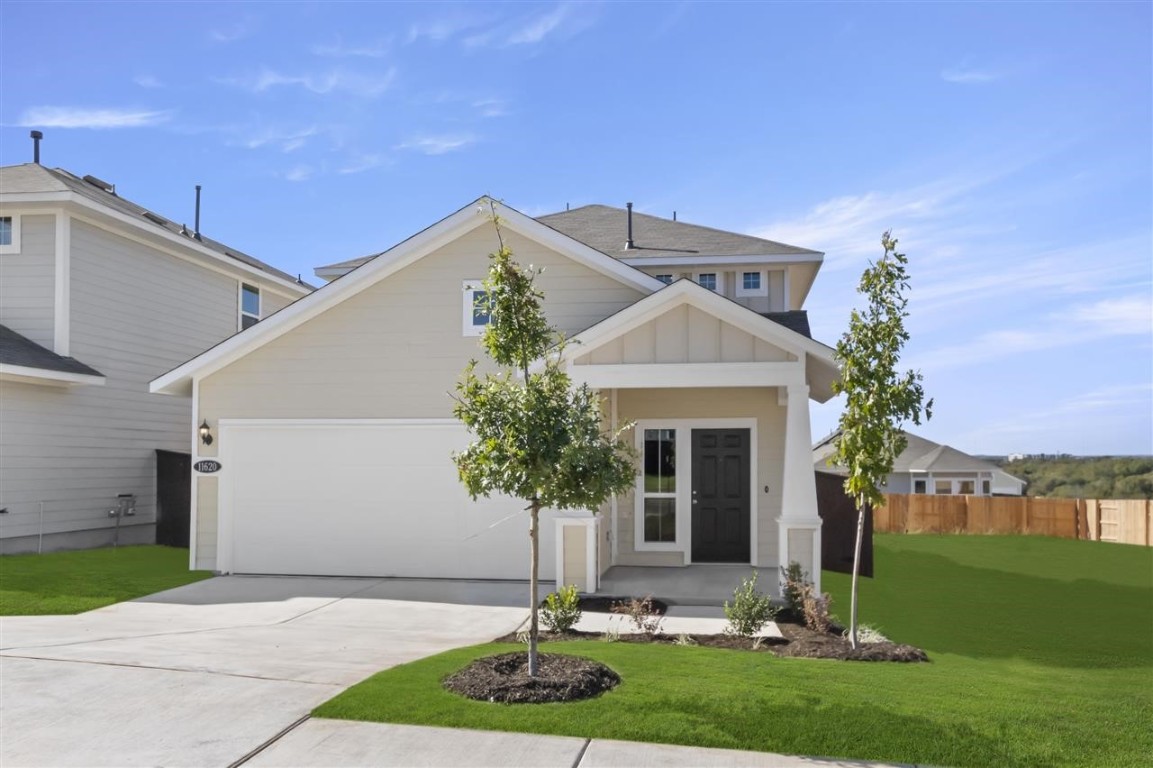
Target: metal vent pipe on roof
[629,242]
[196,223]
[36,136]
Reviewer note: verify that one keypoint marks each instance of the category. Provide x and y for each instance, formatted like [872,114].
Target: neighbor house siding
[396,349]
[27,280]
[761,404]
[135,313]
[272,303]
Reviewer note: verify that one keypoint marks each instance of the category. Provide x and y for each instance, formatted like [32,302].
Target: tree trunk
[856,572]
[534,536]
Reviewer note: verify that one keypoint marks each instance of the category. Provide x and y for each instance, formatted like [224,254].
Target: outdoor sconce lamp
[205,434]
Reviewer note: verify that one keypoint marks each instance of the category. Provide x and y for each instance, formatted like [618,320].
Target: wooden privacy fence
[1126,521]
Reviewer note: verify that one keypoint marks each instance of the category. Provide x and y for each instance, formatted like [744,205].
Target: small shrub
[522,637]
[562,609]
[640,612]
[793,581]
[816,608]
[868,635]
[612,634]
[684,639]
[750,610]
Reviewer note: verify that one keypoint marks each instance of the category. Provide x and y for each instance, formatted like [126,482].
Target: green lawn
[74,582]
[1042,655]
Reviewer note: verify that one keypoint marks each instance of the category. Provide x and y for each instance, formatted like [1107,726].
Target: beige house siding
[575,560]
[27,280]
[756,403]
[684,334]
[272,303]
[135,313]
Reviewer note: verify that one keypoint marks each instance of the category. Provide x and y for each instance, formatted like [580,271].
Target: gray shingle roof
[606,229]
[38,178]
[920,455]
[20,350]
[795,320]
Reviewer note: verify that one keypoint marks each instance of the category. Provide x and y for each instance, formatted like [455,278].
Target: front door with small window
[720,496]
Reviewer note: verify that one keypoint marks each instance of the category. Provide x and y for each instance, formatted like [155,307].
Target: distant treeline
[1097,477]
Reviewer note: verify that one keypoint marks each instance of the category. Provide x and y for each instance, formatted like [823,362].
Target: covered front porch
[708,584]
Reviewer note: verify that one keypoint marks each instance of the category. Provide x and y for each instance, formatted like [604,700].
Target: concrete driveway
[206,674]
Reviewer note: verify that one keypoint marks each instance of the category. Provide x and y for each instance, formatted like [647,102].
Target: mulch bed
[504,678]
[598,604]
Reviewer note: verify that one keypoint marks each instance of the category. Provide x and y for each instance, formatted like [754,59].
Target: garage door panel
[373,499]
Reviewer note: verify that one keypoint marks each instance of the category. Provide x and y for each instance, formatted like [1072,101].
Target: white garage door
[377,498]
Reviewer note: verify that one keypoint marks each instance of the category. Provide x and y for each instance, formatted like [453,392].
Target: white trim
[773,258]
[62,298]
[411,250]
[684,443]
[720,278]
[194,493]
[664,375]
[614,505]
[739,283]
[469,289]
[28,375]
[14,246]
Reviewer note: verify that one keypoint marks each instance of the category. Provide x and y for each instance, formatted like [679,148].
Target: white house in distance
[930,468]
[98,296]
[333,428]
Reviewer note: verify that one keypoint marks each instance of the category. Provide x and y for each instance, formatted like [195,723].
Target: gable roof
[921,455]
[468,218]
[21,355]
[820,366]
[31,178]
[606,229]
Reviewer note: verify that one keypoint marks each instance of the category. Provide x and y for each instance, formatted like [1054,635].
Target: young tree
[878,398]
[536,437]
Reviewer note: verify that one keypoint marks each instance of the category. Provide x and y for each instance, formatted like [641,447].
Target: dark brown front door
[720,496]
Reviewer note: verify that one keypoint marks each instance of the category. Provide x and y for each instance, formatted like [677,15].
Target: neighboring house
[333,420]
[97,297]
[930,468]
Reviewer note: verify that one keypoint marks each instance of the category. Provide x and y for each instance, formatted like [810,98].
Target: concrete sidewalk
[344,744]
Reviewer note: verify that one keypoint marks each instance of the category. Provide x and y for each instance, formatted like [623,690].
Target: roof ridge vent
[101,184]
[155,218]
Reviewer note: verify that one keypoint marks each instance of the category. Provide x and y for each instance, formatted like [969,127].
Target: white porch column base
[800,542]
[799,533]
[576,553]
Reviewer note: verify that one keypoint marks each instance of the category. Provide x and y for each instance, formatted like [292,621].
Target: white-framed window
[920,486]
[249,305]
[714,281]
[659,487]
[664,278]
[986,488]
[9,234]
[477,313]
[942,487]
[753,283]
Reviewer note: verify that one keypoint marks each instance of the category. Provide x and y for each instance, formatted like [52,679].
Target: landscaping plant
[641,612]
[793,581]
[562,609]
[535,436]
[878,399]
[816,610]
[750,610]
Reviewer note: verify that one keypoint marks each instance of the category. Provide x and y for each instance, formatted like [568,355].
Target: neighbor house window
[919,486]
[9,234]
[986,488]
[709,280]
[966,487]
[249,306]
[660,486]
[943,487]
[664,278]
[477,309]
[752,284]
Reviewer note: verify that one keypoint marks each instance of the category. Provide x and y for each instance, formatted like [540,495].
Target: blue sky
[1009,147]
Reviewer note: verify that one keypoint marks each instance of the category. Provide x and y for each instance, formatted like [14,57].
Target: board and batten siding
[135,313]
[395,350]
[28,280]
[709,403]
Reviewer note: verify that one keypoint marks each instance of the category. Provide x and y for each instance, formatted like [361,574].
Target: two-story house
[333,428]
[98,296]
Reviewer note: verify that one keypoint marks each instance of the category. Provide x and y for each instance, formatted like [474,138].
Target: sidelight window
[660,486]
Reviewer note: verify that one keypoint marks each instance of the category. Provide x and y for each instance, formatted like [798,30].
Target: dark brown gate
[839,527]
[173,491]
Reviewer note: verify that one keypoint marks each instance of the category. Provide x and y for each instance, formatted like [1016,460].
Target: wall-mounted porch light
[205,433]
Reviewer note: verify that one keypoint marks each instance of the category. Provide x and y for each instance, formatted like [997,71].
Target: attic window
[664,278]
[710,280]
[9,234]
[476,309]
[249,306]
[752,284]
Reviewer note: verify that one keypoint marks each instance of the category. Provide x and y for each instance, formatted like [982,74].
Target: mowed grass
[1042,655]
[74,582]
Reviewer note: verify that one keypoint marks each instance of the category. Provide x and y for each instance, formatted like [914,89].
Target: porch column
[799,524]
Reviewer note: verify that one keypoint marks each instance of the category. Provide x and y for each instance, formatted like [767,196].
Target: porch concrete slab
[698,584]
[341,743]
[670,625]
[63,713]
[603,753]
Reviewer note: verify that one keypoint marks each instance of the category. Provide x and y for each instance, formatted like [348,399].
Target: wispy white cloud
[491,107]
[229,34]
[83,117]
[537,29]
[362,163]
[365,85]
[444,28]
[299,173]
[967,75]
[438,145]
[563,21]
[339,49]
[284,139]
[148,81]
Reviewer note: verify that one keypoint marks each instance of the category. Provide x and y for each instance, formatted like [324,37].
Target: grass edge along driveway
[1041,649]
[74,582]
